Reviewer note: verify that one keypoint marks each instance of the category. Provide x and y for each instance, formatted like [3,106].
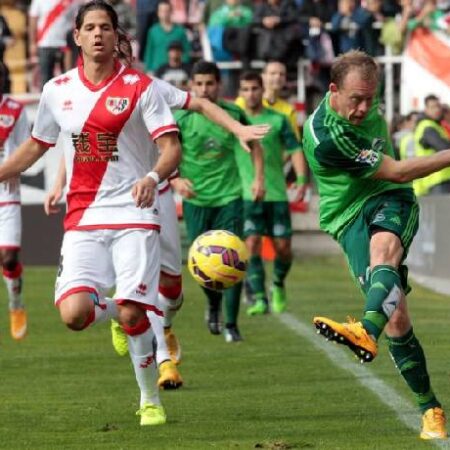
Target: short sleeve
[21,128]
[289,139]
[350,153]
[46,129]
[174,97]
[156,113]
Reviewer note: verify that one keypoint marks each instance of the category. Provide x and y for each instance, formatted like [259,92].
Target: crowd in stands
[283,30]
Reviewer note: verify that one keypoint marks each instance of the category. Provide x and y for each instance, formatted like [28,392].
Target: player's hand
[51,201]
[184,187]
[248,133]
[143,192]
[258,190]
[300,191]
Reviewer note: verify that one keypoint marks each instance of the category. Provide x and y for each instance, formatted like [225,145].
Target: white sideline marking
[405,411]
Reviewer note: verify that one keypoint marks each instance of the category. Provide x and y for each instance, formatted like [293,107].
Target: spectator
[187,12]
[371,18]
[429,17]
[430,137]
[6,39]
[231,14]
[314,15]
[175,72]
[146,17]
[233,21]
[50,20]
[160,36]
[212,5]
[279,31]
[346,25]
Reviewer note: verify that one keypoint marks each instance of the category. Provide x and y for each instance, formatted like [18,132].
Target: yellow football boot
[173,345]
[119,338]
[152,414]
[18,322]
[352,334]
[433,424]
[169,377]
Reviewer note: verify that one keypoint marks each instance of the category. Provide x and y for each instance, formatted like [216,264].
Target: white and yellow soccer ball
[217,259]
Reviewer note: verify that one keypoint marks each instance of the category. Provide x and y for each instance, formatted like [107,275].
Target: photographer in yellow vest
[430,137]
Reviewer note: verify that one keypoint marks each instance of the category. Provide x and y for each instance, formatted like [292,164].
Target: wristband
[301,180]
[154,176]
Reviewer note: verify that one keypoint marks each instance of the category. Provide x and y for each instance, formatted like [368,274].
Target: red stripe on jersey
[116,226]
[9,203]
[9,113]
[188,100]
[51,18]
[88,173]
[164,189]
[9,247]
[43,143]
[76,290]
[163,130]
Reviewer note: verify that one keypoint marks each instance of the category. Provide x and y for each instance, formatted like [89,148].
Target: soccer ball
[217,259]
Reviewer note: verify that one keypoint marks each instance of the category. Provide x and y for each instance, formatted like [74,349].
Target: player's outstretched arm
[245,133]
[143,191]
[56,192]
[410,169]
[25,156]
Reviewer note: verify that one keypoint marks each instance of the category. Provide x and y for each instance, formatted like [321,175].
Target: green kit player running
[271,216]
[368,206]
[210,184]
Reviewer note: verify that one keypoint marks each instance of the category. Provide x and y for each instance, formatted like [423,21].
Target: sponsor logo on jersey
[141,289]
[6,120]
[131,79]
[117,105]
[67,105]
[62,80]
[369,157]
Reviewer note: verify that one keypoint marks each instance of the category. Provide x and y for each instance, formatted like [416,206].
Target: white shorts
[169,235]
[10,226]
[97,260]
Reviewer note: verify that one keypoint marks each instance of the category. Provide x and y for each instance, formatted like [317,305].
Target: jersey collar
[96,87]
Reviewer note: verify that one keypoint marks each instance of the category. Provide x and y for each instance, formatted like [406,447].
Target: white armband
[154,176]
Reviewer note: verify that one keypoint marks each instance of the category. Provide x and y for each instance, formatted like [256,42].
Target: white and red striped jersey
[106,133]
[14,129]
[176,99]
[55,18]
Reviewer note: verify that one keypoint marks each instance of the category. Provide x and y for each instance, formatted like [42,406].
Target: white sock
[105,309]
[142,357]
[170,307]
[162,352]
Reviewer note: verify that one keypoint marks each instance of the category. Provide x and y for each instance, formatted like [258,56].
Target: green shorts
[267,219]
[393,211]
[199,219]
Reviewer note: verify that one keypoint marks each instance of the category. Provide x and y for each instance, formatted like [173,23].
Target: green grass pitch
[65,390]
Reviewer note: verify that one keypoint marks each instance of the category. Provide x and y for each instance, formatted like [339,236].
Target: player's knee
[131,314]
[135,328]
[398,324]
[75,313]
[283,250]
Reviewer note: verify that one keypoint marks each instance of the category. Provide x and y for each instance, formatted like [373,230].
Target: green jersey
[343,158]
[208,157]
[280,138]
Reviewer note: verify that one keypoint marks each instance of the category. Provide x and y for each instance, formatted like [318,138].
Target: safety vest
[438,177]
[407,149]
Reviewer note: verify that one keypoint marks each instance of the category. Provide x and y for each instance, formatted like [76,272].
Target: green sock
[256,276]
[280,270]
[410,360]
[232,301]
[382,298]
